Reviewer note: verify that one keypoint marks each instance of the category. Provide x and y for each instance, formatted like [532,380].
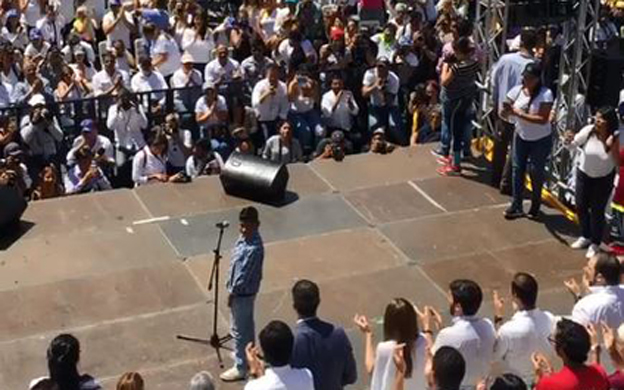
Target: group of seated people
[532,348]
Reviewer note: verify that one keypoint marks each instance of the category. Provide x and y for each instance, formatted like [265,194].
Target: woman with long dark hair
[197,41]
[599,154]
[63,356]
[528,106]
[400,327]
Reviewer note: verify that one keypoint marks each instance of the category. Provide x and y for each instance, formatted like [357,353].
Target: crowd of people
[101,94]
[416,349]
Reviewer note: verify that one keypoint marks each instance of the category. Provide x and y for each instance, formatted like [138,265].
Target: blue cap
[35,33]
[405,41]
[114,2]
[12,13]
[87,125]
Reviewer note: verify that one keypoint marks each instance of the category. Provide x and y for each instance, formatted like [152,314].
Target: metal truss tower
[574,72]
[490,35]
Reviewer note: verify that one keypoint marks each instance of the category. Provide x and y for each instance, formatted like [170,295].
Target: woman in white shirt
[400,327]
[197,42]
[304,95]
[13,30]
[528,106]
[598,147]
[150,163]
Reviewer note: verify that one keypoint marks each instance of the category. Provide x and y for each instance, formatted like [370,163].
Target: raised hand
[499,304]
[362,323]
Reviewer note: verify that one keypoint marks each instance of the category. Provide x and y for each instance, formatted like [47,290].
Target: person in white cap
[211,109]
[186,77]
[42,133]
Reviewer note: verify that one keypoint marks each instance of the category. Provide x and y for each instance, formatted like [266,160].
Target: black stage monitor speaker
[12,206]
[252,177]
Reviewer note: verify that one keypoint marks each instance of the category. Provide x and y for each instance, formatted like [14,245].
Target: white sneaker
[232,375]
[580,243]
[592,251]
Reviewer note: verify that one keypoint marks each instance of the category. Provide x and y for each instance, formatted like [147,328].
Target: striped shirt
[463,83]
[246,266]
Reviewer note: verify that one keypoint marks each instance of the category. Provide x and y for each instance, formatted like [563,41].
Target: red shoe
[444,160]
[450,170]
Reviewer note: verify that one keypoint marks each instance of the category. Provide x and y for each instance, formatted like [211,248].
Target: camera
[338,152]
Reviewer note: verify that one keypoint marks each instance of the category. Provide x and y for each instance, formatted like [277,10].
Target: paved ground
[368,229]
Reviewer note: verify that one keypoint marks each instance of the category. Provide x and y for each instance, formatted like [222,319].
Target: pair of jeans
[388,118]
[592,195]
[307,128]
[537,153]
[456,114]
[242,328]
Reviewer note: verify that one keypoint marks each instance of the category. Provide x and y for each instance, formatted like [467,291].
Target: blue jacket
[326,351]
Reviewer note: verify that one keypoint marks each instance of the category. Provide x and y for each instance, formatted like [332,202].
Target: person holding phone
[528,107]
[599,155]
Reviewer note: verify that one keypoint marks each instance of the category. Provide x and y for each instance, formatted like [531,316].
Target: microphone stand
[215,340]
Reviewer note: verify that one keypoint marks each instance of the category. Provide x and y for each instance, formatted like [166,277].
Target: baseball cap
[37,100]
[208,85]
[87,125]
[187,58]
[12,149]
[114,2]
[35,33]
[337,136]
[532,69]
[405,41]
[380,131]
[12,13]
[248,214]
[400,7]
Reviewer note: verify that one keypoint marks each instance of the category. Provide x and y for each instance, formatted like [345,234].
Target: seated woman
[150,163]
[426,114]
[283,147]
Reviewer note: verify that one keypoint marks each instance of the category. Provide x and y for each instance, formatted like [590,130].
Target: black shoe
[534,213]
[513,213]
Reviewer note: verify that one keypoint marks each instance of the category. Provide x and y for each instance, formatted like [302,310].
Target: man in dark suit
[320,346]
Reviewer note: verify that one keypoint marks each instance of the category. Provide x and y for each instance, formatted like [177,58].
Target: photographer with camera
[204,160]
[85,176]
[336,147]
[14,169]
[269,100]
[101,146]
[381,87]
[126,119]
[42,133]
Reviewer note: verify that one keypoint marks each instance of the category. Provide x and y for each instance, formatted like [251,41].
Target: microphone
[222,224]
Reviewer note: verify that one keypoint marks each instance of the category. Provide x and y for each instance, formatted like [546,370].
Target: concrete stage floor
[368,229]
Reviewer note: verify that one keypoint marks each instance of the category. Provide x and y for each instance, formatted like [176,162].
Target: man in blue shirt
[243,284]
[321,347]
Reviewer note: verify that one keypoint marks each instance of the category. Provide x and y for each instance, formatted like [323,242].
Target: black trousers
[592,195]
[501,160]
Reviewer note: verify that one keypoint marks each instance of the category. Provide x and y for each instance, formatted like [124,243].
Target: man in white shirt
[381,87]
[75,43]
[339,107]
[210,110]
[526,333]
[276,340]
[472,336]
[189,78]
[51,26]
[118,23]
[285,53]
[110,80]
[100,146]
[166,54]
[148,80]
[605,302]
[126,120]
[506,74]
[227,75]
[269,100]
